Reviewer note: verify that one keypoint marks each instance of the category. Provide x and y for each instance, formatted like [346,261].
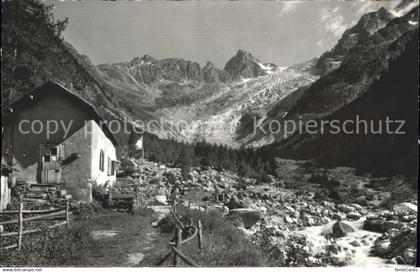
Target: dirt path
[121,239]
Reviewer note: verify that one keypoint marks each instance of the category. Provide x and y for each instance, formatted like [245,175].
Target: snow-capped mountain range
[212,101]
[224,105]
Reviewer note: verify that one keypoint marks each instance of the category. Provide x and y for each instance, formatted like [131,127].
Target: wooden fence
[176,245]
[4,192]
[40,215]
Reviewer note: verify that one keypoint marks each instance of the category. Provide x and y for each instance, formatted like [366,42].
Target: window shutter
[109,166]
[114,167]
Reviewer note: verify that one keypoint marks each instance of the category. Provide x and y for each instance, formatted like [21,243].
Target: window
[47,158]
[101,160]
[51,153]
[53,150]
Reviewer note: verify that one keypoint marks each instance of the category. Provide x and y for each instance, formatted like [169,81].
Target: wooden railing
[178,241]
[40,215]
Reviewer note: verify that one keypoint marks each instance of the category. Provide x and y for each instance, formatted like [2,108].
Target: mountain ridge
[149,70]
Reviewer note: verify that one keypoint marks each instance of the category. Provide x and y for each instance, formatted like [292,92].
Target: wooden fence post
[20,224]
[188,209]
[200,235]
[178,239]
[184,257]
[67,213]
[205,207]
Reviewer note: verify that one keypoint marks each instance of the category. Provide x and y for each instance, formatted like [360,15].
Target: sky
[284,33]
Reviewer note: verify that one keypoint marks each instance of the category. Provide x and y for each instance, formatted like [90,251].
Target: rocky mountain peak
[244,65]
[365,27]
[245,56]
[147,58]
[373,21]
[243,53]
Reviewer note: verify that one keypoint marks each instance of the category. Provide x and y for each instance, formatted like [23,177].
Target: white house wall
[101,142]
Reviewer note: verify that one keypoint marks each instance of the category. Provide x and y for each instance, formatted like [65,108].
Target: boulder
[290,209]
[310,220]
[328,204]
[409,255]
[236,203]
[288,219]
[249,216]
[399,260]
[356,206]
[381,226]
[161,191]
[341,194]
[405,207]
[345,208]
[337,229]
[161,200]
[383,247]
[353,215]
[339,216]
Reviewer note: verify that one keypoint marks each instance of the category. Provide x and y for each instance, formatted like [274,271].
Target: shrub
[99,193]
[85,211]
[166,225]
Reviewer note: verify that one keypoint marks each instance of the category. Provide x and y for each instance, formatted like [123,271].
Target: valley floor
[306,216]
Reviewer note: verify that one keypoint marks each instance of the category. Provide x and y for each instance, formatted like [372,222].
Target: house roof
[43,90]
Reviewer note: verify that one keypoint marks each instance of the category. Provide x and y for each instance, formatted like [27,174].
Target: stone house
[52,135]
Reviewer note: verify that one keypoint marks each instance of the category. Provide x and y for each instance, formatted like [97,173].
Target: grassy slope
[135,235]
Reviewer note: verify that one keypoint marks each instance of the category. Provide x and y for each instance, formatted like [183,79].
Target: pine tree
[185,161]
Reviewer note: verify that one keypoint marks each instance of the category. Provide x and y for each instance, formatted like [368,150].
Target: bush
[85,211]
[166,225]
[99,193]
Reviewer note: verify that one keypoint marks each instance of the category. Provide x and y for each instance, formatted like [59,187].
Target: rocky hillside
[358,68]
[392,96]
[361,65]
[30,58]
[365,27]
